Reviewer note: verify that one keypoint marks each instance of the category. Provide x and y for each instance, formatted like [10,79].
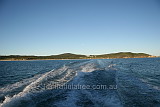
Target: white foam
[62,75]
[16,87]
[74,96]
[88,67]
[36,86]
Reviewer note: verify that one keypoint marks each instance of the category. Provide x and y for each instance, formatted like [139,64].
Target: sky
[49,27]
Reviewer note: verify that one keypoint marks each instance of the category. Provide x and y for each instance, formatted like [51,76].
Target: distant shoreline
[70,56]
[72,59]
[39,59]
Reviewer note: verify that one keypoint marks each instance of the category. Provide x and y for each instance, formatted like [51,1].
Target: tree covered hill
[77,56]
[124,55]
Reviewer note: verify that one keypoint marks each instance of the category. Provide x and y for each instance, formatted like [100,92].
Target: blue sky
[47,27]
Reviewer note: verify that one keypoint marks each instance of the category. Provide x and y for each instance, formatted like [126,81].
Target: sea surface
[133,82]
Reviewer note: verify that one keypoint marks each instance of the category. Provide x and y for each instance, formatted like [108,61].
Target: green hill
[77,56]
[68,56]
[123,55]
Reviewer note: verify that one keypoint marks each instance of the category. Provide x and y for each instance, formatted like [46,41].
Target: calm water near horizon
[93,83]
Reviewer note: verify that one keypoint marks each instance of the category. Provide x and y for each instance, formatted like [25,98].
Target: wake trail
[42,91]
[97,72]
[39,84]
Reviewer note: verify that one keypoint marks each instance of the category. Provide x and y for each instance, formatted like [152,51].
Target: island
[76,56]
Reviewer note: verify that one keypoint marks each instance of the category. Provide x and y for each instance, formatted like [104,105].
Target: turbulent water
[80,83]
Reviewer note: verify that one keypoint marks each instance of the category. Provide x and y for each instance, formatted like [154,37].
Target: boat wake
[99,83]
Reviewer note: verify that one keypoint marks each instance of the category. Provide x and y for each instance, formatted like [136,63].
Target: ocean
[132,82]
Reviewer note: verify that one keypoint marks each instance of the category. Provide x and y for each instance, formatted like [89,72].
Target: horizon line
[76,54]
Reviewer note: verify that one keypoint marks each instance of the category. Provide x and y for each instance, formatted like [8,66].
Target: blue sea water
[133,82]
